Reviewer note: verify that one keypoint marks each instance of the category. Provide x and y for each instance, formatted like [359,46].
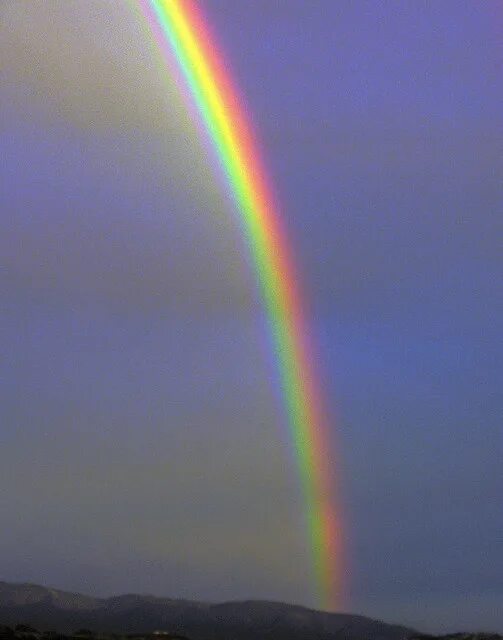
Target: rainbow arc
[183,35]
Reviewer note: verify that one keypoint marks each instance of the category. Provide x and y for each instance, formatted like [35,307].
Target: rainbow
[182,35]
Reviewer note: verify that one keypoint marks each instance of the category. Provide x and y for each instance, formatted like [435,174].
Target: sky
[142,446]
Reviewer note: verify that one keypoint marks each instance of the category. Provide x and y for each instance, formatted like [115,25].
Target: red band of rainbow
[182,33]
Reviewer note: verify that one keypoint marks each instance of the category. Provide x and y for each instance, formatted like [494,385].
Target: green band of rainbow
[181,32]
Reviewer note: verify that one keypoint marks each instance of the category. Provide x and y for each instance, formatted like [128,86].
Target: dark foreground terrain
[25,632]
[31,612]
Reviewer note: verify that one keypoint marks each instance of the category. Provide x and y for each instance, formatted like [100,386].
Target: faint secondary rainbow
[182,34]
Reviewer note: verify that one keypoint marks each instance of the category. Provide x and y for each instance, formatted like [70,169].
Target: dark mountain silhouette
[460,636]
[50,609]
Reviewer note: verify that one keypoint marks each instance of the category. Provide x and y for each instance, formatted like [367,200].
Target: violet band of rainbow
[181,32]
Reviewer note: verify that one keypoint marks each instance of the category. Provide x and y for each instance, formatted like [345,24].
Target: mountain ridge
[63,611]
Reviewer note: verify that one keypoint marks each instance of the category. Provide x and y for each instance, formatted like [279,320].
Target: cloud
[114,197]
[91,62]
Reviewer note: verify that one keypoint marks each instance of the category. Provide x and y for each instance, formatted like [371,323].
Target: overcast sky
[141,441]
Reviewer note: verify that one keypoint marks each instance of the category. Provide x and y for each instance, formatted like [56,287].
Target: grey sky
[141,443]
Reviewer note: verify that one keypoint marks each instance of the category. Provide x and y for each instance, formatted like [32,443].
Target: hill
[51,609]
